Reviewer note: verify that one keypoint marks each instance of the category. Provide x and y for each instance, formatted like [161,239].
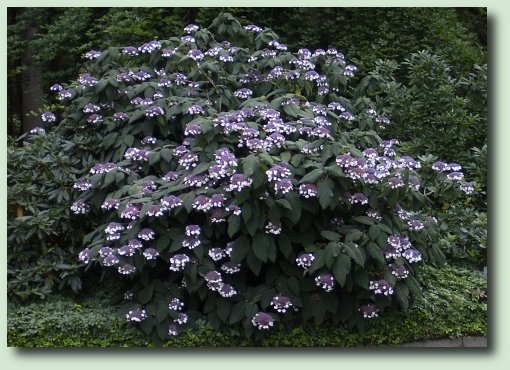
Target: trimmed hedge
[450,307]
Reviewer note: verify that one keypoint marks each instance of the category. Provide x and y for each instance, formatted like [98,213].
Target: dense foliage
[450,307]
[269,169]
[216,159]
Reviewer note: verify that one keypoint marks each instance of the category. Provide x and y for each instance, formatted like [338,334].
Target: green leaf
[293,285]
[250,164]
[237,313]
[161,313]
[223,309]
[312,177]
[325,193]
[145,295]
[355,253]
[334,171]
[341,268]
[234,223]
[109,139]
[373,232]
[253,263]
[240,250]
[260,246]
[285,245]
[284,203]
[147,325]
[364,220]
[330,235]
[246,212]
[375,252]
[353,235]
[166,154]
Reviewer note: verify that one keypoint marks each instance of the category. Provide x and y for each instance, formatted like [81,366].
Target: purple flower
[273,229]
[188,160]
[130,50]
[111,260]
[172,329]
[56,87]
[400,272]
[283,186]
[87,80]
[467,187]
[278,172]
[190,28]
[412,255]
[202,203]
[171,202]
[64,94]
[178,262]
[110,203]
[127,269]
[358,198]
[415,225]
[92,54]
[113,227]
[308,190]
[83,185]
[213,277]
[409,162]
[170,176]
[216,254]
[103,167]
[281,303]
[84,256]
[192,230]
[395,182]
[454,166]
[80,207]
[182,318]
[131,212]
[150,46]
[146,234]
[149,140]
[37,131]
[347,116]
[253,28]
[381,287]
[305,260]
[154,110]
[369,311]
[95,118]
[231,267]
[119,116]
[456,176]
[196,55]
[195,109]
[243,93]
[175,304]
[292,75]
[227,291]
[325,281]
[440,166]
[262,320]
[48,117]
[127,250]
[192,129]
[136,315]
[191,243]
[150,253]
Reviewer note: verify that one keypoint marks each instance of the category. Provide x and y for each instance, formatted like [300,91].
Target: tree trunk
[31,80]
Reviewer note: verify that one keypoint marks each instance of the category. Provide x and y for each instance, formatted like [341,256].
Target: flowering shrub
[240,185]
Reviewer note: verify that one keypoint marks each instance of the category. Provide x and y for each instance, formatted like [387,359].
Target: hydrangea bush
[239,183]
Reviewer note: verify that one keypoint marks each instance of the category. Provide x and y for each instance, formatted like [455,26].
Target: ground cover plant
[236,182]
